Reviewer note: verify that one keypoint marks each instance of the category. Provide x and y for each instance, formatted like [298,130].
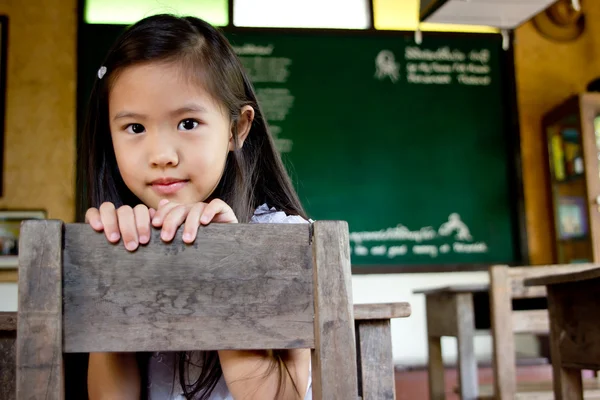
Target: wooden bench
[506,285]
[574,312]
[88,286]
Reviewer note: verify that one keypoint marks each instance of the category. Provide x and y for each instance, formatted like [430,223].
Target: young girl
[174,136]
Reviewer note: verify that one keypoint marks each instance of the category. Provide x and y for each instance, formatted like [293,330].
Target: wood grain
[335,356]
[442,319]
[530,321]
[518,276]
[242,286]
[503,340]
[8,321]
[39,339]
[381,311]
[376,365]
[593,273]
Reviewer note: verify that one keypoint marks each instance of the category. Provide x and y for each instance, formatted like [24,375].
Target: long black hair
[254,174]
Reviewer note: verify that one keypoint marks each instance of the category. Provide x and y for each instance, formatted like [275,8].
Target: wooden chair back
[506,284]
[238,286]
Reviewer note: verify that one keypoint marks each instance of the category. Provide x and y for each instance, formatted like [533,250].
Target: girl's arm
[113,376]
[250,374]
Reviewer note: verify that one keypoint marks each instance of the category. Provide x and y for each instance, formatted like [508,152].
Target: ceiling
[503,14]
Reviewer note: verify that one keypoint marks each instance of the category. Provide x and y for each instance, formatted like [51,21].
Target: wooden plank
[593,273]
[381,311]
[376,364]
[238,286]
[8,321]
[566,382]
[435,368]
[576,306]
[442,319]
[334,359]
[8,364]
[530,321]
[467,364]
[517,276]
[39,344]
[503,340]
[471,288]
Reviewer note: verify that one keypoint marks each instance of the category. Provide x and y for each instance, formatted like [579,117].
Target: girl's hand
[133,224]
[171,215]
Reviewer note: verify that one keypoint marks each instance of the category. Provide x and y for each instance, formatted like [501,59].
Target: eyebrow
[185,109]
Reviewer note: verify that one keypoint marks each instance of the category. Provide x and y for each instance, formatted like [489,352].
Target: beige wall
[547,73]
[39,164]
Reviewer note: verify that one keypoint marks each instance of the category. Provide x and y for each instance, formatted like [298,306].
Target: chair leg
[467,364]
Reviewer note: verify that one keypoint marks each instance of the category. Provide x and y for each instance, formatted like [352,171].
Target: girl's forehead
[161,79]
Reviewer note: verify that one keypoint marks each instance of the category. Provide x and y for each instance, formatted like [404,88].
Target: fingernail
[131,245]
[143,239]
[187,237]
[163,202]
[204,219]
[114,236]
[164,235]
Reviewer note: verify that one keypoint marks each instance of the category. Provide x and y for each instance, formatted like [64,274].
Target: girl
[174,135]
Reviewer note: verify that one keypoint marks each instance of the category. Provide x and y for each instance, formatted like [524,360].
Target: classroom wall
[39,142]
[547,73]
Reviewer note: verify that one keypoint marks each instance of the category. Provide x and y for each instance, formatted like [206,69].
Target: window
[129,11]
[336,14]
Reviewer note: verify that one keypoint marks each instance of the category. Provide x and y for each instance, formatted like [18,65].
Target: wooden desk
[574,311]
[450,313]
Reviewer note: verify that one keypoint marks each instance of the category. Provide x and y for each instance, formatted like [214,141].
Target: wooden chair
[239,286]
[506,284]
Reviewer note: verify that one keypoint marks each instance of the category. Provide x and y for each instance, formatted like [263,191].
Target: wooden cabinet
[572,134]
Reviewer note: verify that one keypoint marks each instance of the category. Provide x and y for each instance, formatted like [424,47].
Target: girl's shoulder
[266,215]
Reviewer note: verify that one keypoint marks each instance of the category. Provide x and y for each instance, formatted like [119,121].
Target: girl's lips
[168,186]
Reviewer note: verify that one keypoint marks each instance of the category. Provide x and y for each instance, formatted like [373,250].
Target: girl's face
[171,137]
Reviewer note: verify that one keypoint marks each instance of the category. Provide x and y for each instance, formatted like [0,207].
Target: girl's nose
[163,153]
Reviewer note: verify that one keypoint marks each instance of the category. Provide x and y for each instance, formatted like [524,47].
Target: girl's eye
[187,125]
[135,128]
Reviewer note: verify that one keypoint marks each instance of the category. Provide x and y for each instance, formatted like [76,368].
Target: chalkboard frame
[512,131]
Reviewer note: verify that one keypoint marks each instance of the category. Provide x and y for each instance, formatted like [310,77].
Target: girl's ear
[244,124]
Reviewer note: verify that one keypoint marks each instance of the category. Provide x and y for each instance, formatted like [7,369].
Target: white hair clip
[101,72]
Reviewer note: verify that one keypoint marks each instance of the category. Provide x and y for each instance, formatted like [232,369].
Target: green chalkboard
[406,142]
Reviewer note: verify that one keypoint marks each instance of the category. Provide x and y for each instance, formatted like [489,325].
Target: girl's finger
[162,212]
[173,220]
[127,227]
[152,212]
[108,216]
[92,217]
[142,223]
[192,222]
[217,211]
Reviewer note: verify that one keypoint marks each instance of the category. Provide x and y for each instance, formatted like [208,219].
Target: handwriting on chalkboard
[452,236]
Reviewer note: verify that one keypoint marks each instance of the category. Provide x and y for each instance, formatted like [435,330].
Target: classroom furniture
[506,285]
[573,306]
[572,132]
[376,377]
[373,342]
[78,293]
[8,335]
[450,313]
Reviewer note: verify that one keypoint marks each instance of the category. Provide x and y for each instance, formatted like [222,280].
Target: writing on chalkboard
[443,66]
[451,236]
[386,66]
